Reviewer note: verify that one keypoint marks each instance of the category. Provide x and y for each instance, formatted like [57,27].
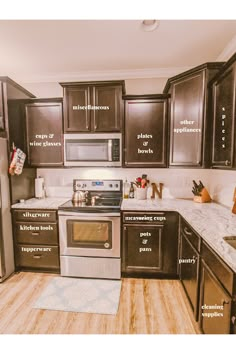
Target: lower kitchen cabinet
[149,244]
[189,263]
[36,240]
[216,320]
[217,306]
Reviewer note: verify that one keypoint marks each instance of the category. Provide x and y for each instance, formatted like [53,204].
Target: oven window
[89,234]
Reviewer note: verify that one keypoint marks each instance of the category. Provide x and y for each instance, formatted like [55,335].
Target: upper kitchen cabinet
[190,118]
[9,89]
[93,106]
[223,88]
[44,133]
[146,131]
[36,128]
[2,125]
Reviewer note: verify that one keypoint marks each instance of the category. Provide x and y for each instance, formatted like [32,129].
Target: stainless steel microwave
[92,149]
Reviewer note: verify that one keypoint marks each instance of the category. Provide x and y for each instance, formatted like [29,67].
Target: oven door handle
[81,216]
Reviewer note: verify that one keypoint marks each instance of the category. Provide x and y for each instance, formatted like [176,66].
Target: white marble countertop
[211,221]
[44,203]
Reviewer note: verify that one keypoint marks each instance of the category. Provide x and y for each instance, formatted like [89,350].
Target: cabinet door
[187,109]
[108,118]
[76,109]
[145,133]
[44,134]
[189,272]
[1,108]
[142,249]
[224,117]
[214,320]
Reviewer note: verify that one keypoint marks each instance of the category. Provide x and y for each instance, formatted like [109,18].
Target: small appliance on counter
[39,188]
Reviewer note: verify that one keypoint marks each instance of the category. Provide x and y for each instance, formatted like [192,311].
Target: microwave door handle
[110,150]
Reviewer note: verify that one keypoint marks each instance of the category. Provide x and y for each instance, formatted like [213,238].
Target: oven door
[92,235]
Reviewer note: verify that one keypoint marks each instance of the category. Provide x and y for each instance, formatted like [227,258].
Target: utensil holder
[203,198]
[141,193]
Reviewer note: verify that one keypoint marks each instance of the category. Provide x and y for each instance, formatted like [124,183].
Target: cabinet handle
[227,163]
[34,233]
[225,302]
[37,256]
[187,232]
[125,228]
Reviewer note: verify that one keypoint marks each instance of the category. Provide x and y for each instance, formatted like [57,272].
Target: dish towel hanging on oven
[17,161]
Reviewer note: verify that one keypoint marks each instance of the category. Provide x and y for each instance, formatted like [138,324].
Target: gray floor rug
[81,295]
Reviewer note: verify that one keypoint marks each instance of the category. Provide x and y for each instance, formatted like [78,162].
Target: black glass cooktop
[101,205]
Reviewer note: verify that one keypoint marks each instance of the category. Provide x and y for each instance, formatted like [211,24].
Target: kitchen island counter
[211,221]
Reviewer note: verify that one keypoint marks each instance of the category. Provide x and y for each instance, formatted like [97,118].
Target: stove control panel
[97,185]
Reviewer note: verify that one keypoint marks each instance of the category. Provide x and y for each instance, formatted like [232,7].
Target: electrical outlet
[234,197]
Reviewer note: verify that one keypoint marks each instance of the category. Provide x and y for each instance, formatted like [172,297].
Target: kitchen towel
[81,295]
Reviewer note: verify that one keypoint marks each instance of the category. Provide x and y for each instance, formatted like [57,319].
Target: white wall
[133,87]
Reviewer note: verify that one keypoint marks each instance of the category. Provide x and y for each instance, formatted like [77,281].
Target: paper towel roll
[39,187]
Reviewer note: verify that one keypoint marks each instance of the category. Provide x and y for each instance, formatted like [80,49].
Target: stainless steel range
[89,229]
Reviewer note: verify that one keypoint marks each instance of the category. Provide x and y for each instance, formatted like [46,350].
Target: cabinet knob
[227,162]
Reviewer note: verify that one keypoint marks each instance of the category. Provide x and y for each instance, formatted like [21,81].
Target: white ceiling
[40,50]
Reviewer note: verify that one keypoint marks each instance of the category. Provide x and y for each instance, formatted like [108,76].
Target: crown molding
[101,75]
[228,51]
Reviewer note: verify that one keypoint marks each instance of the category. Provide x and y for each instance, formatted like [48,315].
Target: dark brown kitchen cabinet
[76,119]
[2,124]
[9,90]
[216,321]
[93,106]
[149,244]
[109,119]
[141,257]
[189,264]
[44,133]
[217,308]
[36,240]
[224,104]
[190,116]
[146,131]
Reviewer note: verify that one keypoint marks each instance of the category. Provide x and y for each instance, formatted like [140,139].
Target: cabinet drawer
[37,256]
[218,267]
[143,218]
[36,233]
[188,232]
[35,215]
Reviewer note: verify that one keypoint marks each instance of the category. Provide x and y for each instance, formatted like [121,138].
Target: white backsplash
[222,186]
[177,182]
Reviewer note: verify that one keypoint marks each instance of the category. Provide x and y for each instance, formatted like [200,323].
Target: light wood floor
[147,306]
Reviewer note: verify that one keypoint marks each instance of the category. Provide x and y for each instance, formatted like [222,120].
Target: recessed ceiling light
[150,25]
